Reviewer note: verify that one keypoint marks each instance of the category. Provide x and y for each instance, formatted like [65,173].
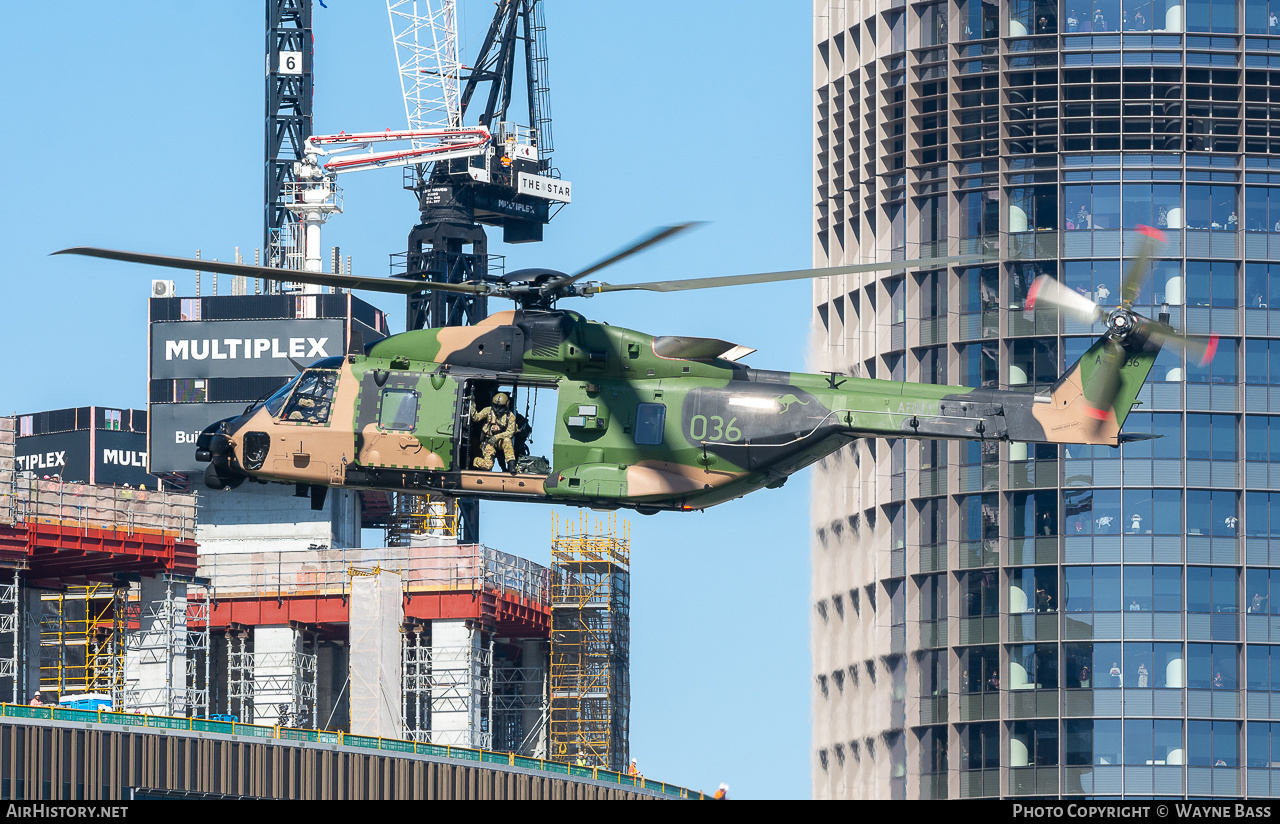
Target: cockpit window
[312,397]
[399,409]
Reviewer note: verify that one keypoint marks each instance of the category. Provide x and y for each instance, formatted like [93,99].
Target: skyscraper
[998,619]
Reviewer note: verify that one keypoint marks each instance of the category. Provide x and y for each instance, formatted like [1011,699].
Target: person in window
[1117,680]
[1099,21]
[1140,21]
[1232,221]
[1042,25]
[498,430]
[1142,675]
[1073,21]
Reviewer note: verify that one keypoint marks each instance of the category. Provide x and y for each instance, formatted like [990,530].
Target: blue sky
[139,125]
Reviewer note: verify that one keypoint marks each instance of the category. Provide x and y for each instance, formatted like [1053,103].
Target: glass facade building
[1004,619]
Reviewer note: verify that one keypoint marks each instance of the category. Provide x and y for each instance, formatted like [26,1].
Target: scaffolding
[27,499]
[283,683]
[171,639]
[466,567]
[240,676]
[590,642]
[416,690]
[416,517]
[10,632]
[81,642]
[520,710]
[447,689]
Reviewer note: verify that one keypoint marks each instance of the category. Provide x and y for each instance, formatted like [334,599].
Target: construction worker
[633,770]
[722,792]
[498,429]
[35,699]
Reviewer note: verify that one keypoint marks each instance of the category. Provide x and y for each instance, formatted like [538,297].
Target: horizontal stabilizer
[1126,437]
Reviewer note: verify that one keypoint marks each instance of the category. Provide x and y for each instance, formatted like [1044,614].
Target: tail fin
[1070,418]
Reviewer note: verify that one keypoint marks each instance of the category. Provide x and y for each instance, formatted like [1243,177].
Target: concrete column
[275,674]
[156,656]
[455,669]
[331,686]
[29,655]
[534,662]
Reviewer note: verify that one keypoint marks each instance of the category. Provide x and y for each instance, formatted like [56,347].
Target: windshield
[277,399]
[312,397]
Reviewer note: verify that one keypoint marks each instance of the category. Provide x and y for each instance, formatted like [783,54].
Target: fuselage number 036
[715,429]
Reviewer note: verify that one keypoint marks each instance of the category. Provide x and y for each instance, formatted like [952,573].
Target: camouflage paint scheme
[727,429]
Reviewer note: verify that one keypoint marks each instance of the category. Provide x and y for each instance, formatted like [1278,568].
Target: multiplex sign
[86,456]
[241,349]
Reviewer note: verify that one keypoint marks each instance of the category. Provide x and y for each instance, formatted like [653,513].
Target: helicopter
[642,422]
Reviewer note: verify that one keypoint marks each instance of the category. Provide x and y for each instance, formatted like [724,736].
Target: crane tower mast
[426,42]
[288,124]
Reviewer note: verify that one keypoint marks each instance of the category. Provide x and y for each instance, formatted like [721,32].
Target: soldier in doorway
[498,429]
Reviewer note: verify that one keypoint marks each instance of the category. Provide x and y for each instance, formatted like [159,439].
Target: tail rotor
[1127,331]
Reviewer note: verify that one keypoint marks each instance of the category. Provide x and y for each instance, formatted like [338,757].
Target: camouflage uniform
[498,425]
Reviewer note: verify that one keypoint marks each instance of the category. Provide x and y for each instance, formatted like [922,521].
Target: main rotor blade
[370,284]
[771,277]
[1138,270]
[652,239]
[1046,290]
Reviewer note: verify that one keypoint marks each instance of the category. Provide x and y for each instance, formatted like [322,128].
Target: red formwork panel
[508,615]
[62,552]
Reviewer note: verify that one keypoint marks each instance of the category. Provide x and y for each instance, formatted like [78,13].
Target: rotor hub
[1121,321]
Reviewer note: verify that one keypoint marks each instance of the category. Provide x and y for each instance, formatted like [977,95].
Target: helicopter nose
[213,441]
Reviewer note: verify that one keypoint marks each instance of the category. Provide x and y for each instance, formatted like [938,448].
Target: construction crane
[313,194]
[513,185]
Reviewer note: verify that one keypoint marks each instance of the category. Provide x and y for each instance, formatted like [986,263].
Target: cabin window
[650,419]
[399,409]
[312,398]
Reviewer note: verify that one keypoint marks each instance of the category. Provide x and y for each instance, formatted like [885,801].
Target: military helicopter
[641,422]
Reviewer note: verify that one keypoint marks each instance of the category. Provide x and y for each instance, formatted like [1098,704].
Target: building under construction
[106,596]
